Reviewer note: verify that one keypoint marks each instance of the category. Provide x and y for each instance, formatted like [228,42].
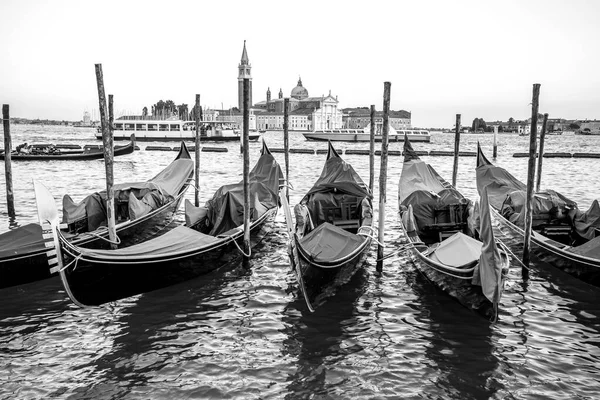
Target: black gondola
[210,233]
[332,232]
[561,235]
[144,209]
[434,218]
[51,153]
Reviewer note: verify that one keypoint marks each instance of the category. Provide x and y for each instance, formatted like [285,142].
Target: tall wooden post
[107,142]
[383,173]
[456,147]
[495,151]
[541,154]
[245,146]
[530,178]
[372,150]
[197,155]
[10,198]
[286,145]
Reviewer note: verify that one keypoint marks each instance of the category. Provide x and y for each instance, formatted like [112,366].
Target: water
[245,334]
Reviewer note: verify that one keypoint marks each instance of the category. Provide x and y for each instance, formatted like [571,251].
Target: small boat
[176,130]
[561,235]
[210,234]
[48,152]
[143,210]
[364,135]
[444,245]
[333,230]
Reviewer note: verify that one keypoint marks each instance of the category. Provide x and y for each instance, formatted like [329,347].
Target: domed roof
[299,92]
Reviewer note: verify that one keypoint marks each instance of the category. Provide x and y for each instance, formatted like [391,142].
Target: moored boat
[49,152]
[364,135]
[562,235]
[210,235]
[332,231]
[461,258]
[176,130]
[143,209]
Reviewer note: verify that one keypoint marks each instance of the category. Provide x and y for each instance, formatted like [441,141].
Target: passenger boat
[176,130]
[210,234]
[49,152]
[332,232]
[444,245]
[364,135]
[143,210]
[562,235]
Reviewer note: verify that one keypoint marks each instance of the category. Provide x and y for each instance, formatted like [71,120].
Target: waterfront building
[305,113]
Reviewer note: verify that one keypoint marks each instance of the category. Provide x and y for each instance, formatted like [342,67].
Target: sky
[478,58]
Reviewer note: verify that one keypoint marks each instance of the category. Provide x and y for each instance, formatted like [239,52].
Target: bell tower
[244,72]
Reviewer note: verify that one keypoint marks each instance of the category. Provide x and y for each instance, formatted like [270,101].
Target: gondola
[443,242]
[332,232]
[144,209]
[51,153]
[210,234]
[562,235]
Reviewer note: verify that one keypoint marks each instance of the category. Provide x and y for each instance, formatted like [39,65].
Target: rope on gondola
[117,242]
[369,235]
[242,251]
[505,248]
[403,248]
[75,260]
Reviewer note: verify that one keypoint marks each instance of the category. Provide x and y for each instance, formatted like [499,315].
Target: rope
[242,251]
[105,239]
[505,248]
[75,260]
[402,248]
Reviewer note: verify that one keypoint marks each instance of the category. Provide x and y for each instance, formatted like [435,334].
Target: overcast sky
[476,58]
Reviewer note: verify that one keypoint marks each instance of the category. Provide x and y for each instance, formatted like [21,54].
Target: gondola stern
[331,151]
[409,152]
[481,158]
[183,152]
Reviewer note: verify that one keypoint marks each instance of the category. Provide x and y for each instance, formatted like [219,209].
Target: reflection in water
[315,339]
[463,353]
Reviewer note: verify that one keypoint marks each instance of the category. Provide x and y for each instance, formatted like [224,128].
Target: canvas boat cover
[458,250]
[22,240]
[507,194]
[141,197]
[338,184]
[225,210]
[328,243]
[178,240]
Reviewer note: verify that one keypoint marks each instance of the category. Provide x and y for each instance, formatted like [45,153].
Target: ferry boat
[364,135]
[175,130]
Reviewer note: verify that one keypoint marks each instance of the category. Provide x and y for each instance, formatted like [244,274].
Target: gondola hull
[320,281]
[83,155]
[457,285]
[97,281]
[548,251]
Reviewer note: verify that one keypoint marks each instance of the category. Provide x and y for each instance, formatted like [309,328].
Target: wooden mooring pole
[538,182]
[107,142]
[383,173]
[495,151]
[372,150]
[286,146]
[530,179]
[456,147]
[197,155]
[10,198]
[246,156]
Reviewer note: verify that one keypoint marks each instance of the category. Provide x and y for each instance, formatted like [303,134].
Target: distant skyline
[478,59]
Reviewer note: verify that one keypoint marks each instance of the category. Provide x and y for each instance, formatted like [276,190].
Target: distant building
[305,113]
[360,117]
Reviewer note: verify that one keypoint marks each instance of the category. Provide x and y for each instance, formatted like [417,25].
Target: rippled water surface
[242,333]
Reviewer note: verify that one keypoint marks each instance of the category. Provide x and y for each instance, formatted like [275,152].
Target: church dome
[299,92]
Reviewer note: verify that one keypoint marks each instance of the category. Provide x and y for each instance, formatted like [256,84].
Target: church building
[305,113]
